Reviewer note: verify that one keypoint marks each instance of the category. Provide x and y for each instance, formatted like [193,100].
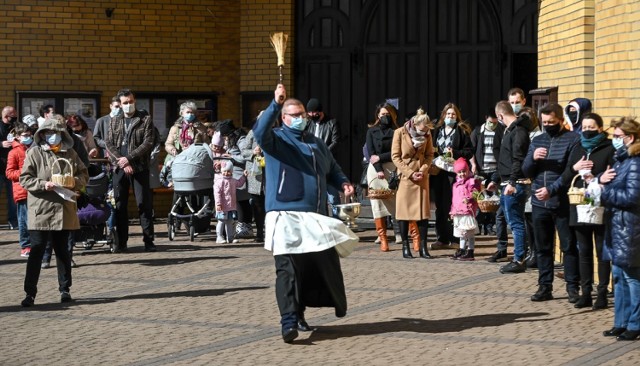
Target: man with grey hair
[9,119]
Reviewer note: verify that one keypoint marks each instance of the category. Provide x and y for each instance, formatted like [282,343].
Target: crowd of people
[283,172]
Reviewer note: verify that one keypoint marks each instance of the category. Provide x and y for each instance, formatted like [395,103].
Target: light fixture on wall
[109,12]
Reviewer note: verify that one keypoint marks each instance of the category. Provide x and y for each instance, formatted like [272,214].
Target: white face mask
[129,108]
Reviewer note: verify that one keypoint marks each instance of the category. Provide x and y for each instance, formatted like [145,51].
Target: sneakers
[221,241]
[513,267]
[28,301]
[234,241]
[498,256]
[543,293]
[45,264]
[65,296]
[24,252]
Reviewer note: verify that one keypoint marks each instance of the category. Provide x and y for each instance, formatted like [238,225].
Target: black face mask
[590,134]
[385,121]
[573,116]
[552,130]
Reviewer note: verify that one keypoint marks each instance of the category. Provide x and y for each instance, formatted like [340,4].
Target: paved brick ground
[203,303]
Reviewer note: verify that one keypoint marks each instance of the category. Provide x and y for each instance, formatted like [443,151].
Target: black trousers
[59,243]
[140,183]
[310,279]
[442,186]
[257,206]
[585,236]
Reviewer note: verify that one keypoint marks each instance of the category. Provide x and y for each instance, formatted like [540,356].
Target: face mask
[552,130]
[517,107]
[190,117]
[590,134]
[129,108]
[573,116]
[449,121]
[385,121]
[490,126]
[26,140]
[298,123]
[53,139]
[617,142]
[115,112]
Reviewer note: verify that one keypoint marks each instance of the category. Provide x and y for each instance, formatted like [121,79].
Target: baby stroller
[192,176]
[93,212]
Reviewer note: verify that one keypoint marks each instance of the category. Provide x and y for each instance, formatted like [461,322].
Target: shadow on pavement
[156,262]
[107,300]
[418,326]
[13,261]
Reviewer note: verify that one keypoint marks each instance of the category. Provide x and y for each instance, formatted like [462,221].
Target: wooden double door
[355,54]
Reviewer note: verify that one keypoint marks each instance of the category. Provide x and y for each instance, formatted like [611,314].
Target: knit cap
[227,166]
[460,164]
[216,140]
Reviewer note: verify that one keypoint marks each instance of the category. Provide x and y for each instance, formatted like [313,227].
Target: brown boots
[415,235]
[381,229]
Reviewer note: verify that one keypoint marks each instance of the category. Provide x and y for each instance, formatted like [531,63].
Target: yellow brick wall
[590,49]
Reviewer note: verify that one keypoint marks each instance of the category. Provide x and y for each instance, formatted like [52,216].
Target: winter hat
[226,127]
[227,166]
[216,140]
[30,120]
[460,164]
[314,105]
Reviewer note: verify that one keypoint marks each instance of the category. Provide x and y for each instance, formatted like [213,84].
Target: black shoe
[543,293]
[65,297]
[498,256]
[513,267]
[601,301]
[459,253]
[467,256]
[628,335]
[424,253]
[574,295]
[289,334]
[614,332]
[584,301]
[303,326]
[150,248]
[28,301]
[531,261]
[406,251]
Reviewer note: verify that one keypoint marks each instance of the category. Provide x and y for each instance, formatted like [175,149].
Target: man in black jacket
[326,129]
[545,163]
[514,187]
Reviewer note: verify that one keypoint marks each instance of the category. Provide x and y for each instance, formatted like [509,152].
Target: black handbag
[394,180]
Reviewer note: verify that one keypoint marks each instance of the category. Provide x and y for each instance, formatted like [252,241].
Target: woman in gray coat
[50,216]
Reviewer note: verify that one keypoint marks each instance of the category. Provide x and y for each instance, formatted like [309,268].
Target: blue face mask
[53,139]
[26,140]
[617,142]
[298,123]
[516,107]
[449,122]
[115,112]
[190,117]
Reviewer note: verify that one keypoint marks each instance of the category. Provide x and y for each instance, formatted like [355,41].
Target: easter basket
[576,195]
[61,176]
[489,205]
[380,191]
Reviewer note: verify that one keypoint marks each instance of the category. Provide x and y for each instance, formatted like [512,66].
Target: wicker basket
[489,206]
[380,194]
[576,195]
[62,178]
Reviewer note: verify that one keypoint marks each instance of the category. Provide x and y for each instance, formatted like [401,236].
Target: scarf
[186,135]
[417,139]
[590,144]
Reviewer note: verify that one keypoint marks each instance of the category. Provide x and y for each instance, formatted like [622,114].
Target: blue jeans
[513,207]
[626,292]
[23,233]
[12,215]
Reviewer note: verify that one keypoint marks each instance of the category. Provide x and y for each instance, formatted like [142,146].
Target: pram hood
[192,169]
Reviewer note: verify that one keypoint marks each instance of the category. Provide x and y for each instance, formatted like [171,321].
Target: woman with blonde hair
[412,154]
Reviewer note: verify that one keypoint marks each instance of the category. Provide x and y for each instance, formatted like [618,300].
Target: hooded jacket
[15,162]
[298,166]
[46,209]
[548,172]
[582,106]
[621,199]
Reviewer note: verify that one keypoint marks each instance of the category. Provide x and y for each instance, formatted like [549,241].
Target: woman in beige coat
[50,217]
[412,154]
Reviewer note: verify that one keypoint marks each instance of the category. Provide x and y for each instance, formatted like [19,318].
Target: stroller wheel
[171,231]
[113,240]
[192,232]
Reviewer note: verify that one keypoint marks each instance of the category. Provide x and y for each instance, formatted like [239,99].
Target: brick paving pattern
[201,303]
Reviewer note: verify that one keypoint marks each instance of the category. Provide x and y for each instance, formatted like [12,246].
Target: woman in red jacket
[15,161]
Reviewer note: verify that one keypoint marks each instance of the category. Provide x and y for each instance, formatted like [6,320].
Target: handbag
[394,179]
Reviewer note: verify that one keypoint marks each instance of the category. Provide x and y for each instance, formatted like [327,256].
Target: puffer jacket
[139,140]
[15,162]
[224,192]
[46,209]
[298,166]
[621,199]
[549,172]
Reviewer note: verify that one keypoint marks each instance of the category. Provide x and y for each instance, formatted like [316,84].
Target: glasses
[619,136]
[296,115]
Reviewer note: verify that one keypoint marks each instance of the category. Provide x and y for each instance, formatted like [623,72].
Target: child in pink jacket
[463,209]
[224,192]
